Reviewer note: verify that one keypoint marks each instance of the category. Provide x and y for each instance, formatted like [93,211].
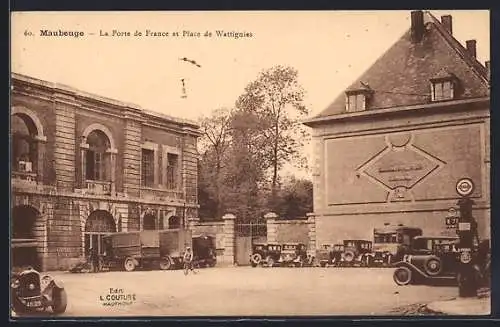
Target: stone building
[83,165]
[391,148]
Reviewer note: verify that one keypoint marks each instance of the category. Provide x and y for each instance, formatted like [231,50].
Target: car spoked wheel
[129,264]
[433,266]
[166,263]
[349,257]
[402,276]
[60,300]
[256,259]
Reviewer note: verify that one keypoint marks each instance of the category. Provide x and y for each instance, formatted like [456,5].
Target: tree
[276,98]
[295,198]
[214,144]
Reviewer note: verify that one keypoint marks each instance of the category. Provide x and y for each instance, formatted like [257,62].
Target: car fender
[412,267]
[58,283]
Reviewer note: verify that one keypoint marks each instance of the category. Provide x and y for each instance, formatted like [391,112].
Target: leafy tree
[276,99]
[214,144]
[295,199]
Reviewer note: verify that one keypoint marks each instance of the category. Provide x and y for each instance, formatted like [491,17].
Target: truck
[163,249]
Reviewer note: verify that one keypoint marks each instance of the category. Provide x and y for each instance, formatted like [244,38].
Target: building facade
[392,147]
[83,165]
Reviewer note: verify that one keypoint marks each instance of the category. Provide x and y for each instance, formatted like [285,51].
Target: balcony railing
[97,187]
[24,180]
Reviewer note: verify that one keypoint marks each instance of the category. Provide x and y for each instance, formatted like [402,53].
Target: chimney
[471,47]
[417,25]
[446,21]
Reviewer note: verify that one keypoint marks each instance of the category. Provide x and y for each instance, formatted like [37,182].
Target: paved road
[245,291]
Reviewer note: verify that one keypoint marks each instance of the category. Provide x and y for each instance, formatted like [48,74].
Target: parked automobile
[151,248]
[324,255]
[259,253]
[390,243]
[336,254]
[31,291]
[293,254]
[428,259]
[204,250]
[273,255]
[355,251]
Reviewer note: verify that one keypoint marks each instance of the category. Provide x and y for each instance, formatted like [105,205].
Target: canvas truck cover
[174,241]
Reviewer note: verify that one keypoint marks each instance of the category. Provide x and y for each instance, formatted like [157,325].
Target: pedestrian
[188,261]
[94,259]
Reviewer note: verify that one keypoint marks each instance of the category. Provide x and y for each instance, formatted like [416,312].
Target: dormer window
[443,86]
[357,99]
[442,90]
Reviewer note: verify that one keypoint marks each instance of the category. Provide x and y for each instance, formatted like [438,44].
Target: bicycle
[190,266]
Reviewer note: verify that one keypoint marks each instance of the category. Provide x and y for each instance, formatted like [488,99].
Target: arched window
[99,223]
[24,144]
[97,160]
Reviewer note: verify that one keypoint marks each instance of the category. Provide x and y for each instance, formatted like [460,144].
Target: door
[243,250]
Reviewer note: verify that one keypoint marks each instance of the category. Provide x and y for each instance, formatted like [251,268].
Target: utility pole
[468,240]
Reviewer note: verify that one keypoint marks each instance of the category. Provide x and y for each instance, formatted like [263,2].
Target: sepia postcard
[250,163]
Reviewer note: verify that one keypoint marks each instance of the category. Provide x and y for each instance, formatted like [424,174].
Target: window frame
[439,84]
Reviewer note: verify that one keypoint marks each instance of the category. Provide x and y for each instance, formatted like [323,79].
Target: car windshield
[385,238]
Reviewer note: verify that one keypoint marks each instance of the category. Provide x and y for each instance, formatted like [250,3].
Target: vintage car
[259,253]
[31,291]
[428,259]
[149,248]
[390,242]
[323,255]
[293,254]
[273,255]
[204,250]
[354,252]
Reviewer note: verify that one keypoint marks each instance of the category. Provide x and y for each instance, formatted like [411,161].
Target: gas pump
[468,240]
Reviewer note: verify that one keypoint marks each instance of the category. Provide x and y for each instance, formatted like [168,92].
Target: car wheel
[433,266]
[17,306]
[256,259]
[129,264]
[166,263]
[60,300]
[402,276]
[322,264]
[349,257]
[270,261]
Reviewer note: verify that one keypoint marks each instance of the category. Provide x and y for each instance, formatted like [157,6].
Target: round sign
[465,186]
[465,257]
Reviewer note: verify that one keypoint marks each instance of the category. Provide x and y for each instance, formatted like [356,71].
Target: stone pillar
[40,166]
[83,162]
[272,228]
[311,221]
[112,161]
[229,239]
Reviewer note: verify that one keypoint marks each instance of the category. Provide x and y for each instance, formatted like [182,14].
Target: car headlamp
[15,283]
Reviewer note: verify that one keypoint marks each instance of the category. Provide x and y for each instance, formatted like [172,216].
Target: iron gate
[246,234]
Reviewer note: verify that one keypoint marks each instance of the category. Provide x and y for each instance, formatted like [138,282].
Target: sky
[328,48]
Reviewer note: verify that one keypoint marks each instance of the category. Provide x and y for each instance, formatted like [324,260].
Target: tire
[433,266]
[270,261]
[129,264]
[17,306]
[402,276]
[349,257]
[60,301]
[255,259]
[322,264]
[166,263]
